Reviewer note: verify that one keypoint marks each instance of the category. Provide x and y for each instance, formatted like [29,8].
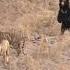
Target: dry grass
[35,22]
[4,50]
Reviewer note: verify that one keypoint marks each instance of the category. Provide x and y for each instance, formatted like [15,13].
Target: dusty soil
[35,22]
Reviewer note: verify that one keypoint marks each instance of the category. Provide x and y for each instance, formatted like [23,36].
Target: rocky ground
[35,22]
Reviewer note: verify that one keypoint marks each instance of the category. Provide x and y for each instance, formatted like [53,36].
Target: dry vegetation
[32,30]
[4,50]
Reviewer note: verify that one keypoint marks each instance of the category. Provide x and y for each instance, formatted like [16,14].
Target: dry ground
[34,21]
